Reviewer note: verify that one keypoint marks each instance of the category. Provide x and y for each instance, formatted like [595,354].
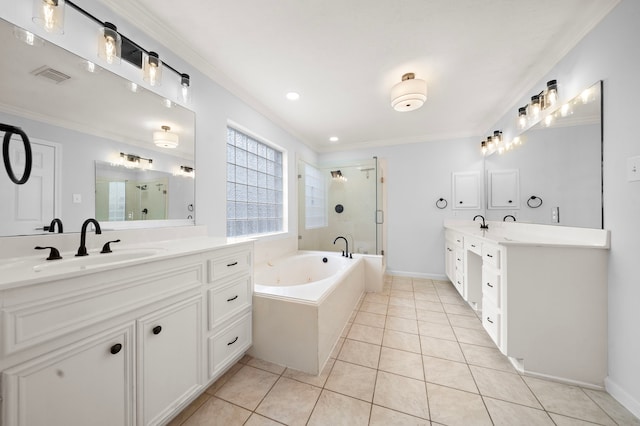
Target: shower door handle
[379,217]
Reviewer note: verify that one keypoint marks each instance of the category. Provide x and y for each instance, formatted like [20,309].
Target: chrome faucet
[484,225]
[504,219]
[344,253]
[82,250]
[53,225]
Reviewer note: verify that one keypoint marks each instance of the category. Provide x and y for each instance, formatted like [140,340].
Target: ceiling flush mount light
[165,139]
[49,14]
[337,175]
[152,68]
[334,139]
[110,44]
[409,94]
[293,96]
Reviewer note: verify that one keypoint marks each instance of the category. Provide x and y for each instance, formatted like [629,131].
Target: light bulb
[535,106]
[483,147]
[185,89]
[551,97]
[152,67]
[522,117]
[49,14]
[109,44]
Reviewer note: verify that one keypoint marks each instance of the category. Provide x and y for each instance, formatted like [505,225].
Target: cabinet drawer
[491,255]
[227,264]
[228,344]
[228,300]
[491,285]
[491,320]
[473,245]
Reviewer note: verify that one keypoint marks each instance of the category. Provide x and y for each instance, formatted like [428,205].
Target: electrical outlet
[555,214]
[633,169]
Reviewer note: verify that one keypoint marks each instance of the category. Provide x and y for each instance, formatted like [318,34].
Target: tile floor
[414,354]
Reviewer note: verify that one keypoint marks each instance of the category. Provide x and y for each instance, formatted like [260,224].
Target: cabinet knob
[510,201]
[157,329]
[116,348]
[460,202]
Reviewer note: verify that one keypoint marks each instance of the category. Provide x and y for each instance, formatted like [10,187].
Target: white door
[23,208]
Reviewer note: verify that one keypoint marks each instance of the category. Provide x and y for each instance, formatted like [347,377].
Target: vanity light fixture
[132,160]
[110,44]
[530,113]
[337,175]
[152,68]
[165,139]
[410,94]
[49,14]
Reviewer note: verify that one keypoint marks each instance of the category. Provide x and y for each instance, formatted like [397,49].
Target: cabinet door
[466,190]
[88,383]
[169,359]
[504,189]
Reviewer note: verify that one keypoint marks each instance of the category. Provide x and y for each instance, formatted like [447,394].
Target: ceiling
[343,56]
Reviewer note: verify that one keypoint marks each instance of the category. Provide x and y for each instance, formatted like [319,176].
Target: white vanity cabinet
[122,346]
[229,296]
[543,292]
[169,358]
[454,260]
[89,382]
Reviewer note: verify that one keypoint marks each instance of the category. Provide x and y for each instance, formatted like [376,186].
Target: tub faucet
[344,253]
[82,250]
[53,225]
[504,219]
[484,225]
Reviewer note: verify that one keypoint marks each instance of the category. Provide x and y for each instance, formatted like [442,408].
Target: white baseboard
[622,396]
[417,275]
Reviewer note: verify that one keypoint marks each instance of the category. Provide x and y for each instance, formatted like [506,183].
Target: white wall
[416,176]
[610,53]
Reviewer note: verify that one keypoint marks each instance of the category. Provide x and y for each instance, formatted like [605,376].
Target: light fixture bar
[124,39]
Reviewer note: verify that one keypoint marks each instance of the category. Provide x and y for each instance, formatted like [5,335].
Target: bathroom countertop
[29,270]
[513,233]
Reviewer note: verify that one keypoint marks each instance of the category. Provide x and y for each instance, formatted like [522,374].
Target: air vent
[50,74]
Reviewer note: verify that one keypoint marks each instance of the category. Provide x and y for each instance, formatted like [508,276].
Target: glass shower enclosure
[341,200]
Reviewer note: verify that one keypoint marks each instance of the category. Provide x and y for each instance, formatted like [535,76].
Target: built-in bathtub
[301,304]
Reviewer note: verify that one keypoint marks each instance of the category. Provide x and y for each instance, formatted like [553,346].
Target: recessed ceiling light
[293,96]
[333,139]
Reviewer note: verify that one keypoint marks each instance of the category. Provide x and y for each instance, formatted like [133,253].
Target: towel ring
[531,202]
[441,203]
[10,131]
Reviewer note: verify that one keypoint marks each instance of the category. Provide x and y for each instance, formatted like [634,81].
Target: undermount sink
[96,259]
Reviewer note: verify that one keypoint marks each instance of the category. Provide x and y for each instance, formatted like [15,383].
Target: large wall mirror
[555,176]
[86,128]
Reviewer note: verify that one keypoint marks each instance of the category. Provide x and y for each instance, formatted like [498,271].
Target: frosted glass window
[116,201]
[254,186]
[315,194]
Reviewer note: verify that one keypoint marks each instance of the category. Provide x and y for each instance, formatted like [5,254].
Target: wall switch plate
[77,198]
[633,168]
[555,214]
